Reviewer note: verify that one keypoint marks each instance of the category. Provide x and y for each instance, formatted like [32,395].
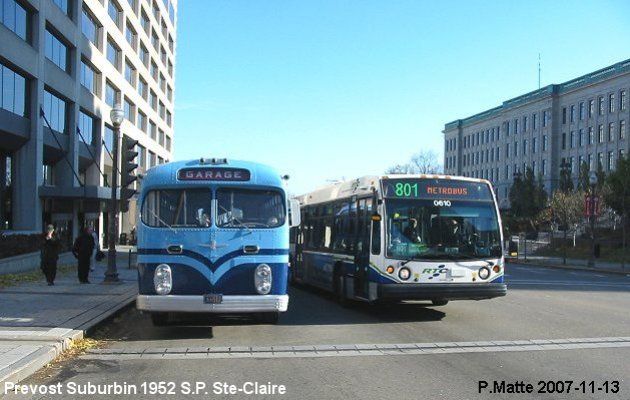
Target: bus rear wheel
[439,302]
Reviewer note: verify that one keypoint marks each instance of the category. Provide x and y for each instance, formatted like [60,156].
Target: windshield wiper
[232,219]
[160,220]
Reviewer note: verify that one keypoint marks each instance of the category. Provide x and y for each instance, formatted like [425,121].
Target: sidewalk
[38,322]
[572,263]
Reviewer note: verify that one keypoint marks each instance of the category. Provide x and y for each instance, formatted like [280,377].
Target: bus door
[362,255]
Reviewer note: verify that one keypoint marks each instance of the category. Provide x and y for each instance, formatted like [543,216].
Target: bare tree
[424,162]
[567,209]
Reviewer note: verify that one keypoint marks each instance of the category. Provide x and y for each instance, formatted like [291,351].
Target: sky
[326,90]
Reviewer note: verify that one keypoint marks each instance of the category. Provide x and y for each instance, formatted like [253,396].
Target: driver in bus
[411,231]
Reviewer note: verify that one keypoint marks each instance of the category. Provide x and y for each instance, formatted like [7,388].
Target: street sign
[591,205]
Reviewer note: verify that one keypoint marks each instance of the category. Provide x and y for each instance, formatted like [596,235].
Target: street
[559,334]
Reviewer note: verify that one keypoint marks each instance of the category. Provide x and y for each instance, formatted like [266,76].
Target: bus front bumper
[229,304]
[441,291]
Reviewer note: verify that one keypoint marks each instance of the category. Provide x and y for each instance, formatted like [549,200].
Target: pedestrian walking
[97,248]
[82,250]
[49,255]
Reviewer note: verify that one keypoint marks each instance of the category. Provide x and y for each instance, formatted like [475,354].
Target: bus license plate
[213,298]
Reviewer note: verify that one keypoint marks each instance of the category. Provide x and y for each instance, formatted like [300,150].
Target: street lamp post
[592,180]
[111,275]
[517,175]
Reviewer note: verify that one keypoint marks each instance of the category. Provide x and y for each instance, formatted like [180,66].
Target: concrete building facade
[64,64]
[582,120]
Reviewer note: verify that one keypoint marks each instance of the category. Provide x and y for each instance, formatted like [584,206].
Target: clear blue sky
[331,89]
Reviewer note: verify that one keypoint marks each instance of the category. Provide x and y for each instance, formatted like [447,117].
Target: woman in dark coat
[49,255]
[82,250]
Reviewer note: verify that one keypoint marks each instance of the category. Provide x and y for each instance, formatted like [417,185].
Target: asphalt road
[565,333]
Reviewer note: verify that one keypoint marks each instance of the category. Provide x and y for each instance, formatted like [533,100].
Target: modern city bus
[213,237]
[401,237]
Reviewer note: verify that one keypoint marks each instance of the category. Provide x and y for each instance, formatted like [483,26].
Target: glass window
[55,111]
[130,73]
[14,17]
[622,129]
[142,156]
[12,91]
[86,127]
[112,95]
[109,138]
[130,36]
[168,143]
[114,12]
[142,122]
[129,109]
[113,53]
[89,26]
[153,130]
[56,51]
[88,77]
[142,88]
[145,23]
[63,4]
[622,100]
[611,102]
[144,55]
[240,208]
[168,208]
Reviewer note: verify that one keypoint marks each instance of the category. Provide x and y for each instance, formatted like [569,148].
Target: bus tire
[270,317]
[440,302]
[159,319]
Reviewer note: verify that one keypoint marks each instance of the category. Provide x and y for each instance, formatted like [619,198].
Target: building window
[600,160]
[611,103]
[545,119]
[564,115]
[131,36]
[144,55]
[543,167]
[56,51]
[129,109]
[611,132]
[112,95]
[155,41]
[534,124]
[564,140]
[142,157]
[544,143]
[581,112]
[524,147]
[622,129]
[169,93]
[63,5]
[161,138]
[142,88]
[534,145]
[130,73]
[55,111]
[86,127]
[109,138]
[113,53]
[591,138]
[515,149]
[572,113]
[114,12]
[154,71]
[141,123]
[12,91]
[590,162]
[89,77]
[581,139]
[169,119]
[515,126]
[601,105]
[572,139]
[152,130]
[591,108]
[600,133]
[89,27]
[611,160]
[168,144]
[145,22]
[151,159]
[15,18]
[154,101]
[622,100]
[132,4]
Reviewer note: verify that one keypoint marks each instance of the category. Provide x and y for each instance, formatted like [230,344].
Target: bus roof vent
[213,161]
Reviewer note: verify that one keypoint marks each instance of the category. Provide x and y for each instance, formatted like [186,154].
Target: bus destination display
[213,174]
[435,189]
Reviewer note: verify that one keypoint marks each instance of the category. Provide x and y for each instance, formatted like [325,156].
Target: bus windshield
[243,208]
[429,229]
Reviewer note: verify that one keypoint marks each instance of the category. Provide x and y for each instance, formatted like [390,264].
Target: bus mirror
[294,213]
[376,217]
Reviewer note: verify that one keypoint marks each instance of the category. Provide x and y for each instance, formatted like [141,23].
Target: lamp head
[117,115]
[592,178]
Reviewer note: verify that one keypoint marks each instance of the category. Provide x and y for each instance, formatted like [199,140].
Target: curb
[570,267]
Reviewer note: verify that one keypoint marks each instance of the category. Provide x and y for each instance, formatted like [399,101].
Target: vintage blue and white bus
[401,237]
[213,237]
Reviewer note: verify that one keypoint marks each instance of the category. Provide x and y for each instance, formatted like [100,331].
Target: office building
[64,65]
[558,126]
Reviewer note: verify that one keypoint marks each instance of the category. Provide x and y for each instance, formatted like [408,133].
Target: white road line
[355,350]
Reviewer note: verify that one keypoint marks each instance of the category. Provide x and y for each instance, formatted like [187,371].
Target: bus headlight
[404,273]
[484,273]
[162,279]
[262,279]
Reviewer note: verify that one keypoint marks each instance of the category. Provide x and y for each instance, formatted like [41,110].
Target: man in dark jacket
[50,254]
[82,250]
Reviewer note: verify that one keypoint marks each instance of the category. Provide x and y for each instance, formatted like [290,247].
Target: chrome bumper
[230,304]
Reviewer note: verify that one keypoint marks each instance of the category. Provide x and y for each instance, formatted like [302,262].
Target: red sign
[213,174]
[591,205]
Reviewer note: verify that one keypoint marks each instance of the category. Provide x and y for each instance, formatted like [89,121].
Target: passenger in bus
[411,231]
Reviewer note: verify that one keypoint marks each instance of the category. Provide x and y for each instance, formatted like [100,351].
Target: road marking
[622,285]
[354,350]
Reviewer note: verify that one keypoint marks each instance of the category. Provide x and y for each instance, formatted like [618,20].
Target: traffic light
[128,166]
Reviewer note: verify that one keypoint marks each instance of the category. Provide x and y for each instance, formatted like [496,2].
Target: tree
[527,197]
[618,195]
[583,177]
[424,162]
[566,182]
[567,208]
